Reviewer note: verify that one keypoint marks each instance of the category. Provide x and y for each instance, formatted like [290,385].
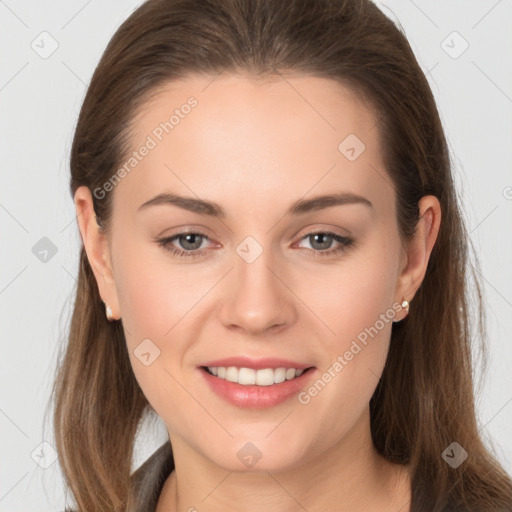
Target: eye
[321,242]
[190,244]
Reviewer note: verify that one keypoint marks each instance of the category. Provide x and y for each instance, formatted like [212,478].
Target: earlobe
[420,247]
[95,243]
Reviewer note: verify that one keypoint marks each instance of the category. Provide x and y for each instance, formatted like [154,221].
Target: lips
[256,383]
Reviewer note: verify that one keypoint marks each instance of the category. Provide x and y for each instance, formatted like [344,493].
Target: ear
[418,250]
[97,248]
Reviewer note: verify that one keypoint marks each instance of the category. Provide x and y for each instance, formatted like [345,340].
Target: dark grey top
[148,480]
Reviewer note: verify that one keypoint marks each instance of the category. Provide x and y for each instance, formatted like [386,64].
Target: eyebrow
[212,209]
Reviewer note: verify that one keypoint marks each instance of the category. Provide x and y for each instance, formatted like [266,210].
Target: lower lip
[256,397]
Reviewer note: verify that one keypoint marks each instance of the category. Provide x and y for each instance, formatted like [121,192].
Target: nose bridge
[257,299]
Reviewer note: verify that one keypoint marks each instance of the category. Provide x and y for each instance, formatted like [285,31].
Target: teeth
[265,377]
[290,373]
[280,375]
[232,374]
[248,376]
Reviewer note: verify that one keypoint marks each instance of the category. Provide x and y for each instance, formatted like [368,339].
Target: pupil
[322,238]
[191,239]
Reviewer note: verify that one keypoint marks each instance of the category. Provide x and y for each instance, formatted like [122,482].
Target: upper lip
[257,364]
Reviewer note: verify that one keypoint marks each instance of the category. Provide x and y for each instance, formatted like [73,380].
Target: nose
[258,299]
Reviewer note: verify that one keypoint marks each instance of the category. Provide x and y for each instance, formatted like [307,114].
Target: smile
[249,376]
[256,388]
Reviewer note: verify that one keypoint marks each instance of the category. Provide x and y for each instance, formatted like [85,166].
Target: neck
[350,474]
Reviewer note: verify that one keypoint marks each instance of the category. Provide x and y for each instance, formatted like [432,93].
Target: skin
[255,148]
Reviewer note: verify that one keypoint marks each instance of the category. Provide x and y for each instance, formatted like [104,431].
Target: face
[266,275]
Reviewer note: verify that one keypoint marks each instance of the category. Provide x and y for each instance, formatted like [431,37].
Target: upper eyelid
[201,230]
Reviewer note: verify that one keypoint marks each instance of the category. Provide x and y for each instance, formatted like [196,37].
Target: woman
[274,261]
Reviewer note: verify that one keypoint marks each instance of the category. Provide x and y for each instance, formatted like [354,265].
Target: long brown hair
[424,400]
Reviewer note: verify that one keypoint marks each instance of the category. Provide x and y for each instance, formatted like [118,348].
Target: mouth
[256,388]
[252,377]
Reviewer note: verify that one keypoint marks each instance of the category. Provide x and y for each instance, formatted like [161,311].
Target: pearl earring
[108,312]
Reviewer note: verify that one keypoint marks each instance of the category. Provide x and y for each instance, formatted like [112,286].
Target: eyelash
[344,241]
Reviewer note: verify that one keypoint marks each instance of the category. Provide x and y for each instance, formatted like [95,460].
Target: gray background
[40,99]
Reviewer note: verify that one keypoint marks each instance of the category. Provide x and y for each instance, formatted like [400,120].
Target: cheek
[154,294]
[354,301]
[353,361]
[152,320]
[160,301]
[144,291]
[350,296]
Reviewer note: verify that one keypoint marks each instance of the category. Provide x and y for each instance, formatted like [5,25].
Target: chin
[256,454]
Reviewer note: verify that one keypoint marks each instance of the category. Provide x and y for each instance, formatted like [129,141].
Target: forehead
[235,136]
